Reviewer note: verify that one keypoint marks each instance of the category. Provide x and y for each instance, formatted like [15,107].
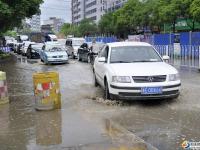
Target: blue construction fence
[188,47]
[103,39]
[189,42]
[5,49]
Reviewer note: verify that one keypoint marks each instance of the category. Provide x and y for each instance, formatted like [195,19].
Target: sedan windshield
[131,54]
[55,49]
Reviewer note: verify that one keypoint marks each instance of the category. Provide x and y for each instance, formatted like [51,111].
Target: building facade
[35,23]
[78,9]
[93,9]
[55,23]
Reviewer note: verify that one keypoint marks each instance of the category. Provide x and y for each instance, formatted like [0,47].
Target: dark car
[84,52]
[88,51]
[33,51]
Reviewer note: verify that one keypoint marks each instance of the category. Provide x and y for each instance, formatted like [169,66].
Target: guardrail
[189,55]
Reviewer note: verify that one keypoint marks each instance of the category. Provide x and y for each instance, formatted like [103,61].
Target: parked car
[19,45]
[83,53]
[33,50]
[25,47]
[88,51]
[53,53]
[72,45]
[135,70]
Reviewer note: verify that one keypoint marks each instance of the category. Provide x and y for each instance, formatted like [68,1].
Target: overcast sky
[56,8]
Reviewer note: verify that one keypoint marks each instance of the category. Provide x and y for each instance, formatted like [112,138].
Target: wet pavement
[84,122]
[72,127]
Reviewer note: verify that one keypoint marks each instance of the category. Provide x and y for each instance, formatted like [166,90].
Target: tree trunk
[193,26]
[174,26]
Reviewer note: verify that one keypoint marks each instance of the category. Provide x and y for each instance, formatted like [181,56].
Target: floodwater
[81,124]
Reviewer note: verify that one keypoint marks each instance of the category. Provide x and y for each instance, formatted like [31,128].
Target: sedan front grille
[148,79]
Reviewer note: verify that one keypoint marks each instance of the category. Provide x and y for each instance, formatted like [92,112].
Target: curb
[137,143]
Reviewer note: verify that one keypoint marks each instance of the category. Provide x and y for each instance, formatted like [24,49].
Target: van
[72,45]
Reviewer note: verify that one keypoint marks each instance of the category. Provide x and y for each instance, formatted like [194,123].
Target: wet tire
[106,91]
[78,57]
[28,56]
[73,56]
[95,81]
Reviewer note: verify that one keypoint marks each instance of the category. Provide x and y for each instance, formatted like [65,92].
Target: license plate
[151,90]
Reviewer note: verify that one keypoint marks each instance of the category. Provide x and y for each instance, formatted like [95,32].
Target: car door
[85,52]
[81,51]
[100,66]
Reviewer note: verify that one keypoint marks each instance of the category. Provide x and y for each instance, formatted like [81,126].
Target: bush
[4,55]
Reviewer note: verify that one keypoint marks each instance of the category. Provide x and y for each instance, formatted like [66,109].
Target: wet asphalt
[81,124]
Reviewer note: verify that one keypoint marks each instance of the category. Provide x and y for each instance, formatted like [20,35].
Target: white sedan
[135,70]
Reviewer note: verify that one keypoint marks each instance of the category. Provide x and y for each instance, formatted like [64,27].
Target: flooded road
[82,123]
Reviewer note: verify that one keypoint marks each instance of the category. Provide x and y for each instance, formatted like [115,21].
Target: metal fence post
[190,47]
[199,58]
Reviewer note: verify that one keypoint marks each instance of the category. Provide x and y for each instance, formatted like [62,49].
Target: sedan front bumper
[134,93]
[57,61]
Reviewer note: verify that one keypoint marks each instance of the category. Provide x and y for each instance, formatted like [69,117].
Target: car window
[131,54]
[69,43]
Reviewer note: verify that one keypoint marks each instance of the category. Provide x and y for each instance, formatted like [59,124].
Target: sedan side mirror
[101,59]
[165,57]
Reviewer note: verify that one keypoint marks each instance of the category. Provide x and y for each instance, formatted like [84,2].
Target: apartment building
[93,9]
[112,5]
[78,9]
[35,23]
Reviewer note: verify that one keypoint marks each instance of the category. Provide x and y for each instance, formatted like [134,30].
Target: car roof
[118,44]
[75,39]
[52,43]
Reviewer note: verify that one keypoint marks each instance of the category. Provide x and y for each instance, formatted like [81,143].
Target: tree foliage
[137,15]
[12,12]
[85,28]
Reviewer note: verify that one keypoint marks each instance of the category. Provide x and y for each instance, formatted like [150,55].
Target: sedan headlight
[174,77]
[121,79]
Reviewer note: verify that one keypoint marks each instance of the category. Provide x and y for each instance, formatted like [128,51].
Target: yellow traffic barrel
[47,91]
[4,98]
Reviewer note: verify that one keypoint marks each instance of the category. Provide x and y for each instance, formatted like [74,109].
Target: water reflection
[48,128]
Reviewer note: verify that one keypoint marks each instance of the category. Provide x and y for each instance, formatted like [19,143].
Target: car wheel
[42,60]
[73,56]
[95,81]
[106,91]
[28,56]
[78,56]
[88,59]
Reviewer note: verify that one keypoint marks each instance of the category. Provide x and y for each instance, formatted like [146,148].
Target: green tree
[106,24]
[128,19]
[11,33]
[195,9]
[172,10]
[87,27]
[12,12]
